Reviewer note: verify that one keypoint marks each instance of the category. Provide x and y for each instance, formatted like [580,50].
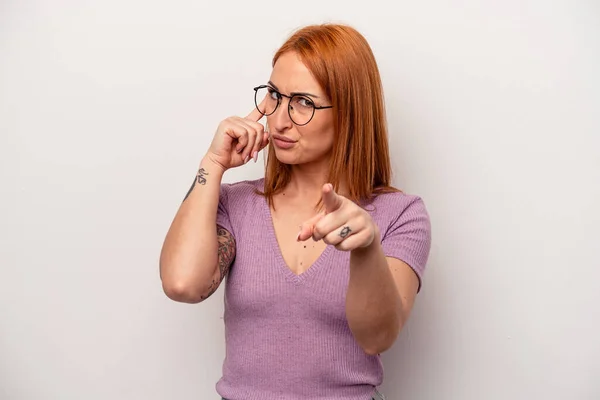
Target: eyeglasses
[301,108]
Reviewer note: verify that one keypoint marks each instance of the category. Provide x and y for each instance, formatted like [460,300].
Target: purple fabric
[287,336]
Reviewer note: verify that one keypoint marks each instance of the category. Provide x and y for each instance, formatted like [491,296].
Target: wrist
[211,166]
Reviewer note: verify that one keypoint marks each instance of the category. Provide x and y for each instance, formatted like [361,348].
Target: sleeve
[408,238]
[223,209]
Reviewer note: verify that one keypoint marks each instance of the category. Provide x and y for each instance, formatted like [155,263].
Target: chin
[286,157]
[296,156]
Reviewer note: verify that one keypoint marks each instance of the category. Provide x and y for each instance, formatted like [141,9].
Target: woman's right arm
[196,254]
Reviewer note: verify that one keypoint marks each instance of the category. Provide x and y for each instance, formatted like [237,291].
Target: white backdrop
[106,108]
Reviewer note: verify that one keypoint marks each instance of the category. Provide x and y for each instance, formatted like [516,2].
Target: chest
[275,276]
[298,256]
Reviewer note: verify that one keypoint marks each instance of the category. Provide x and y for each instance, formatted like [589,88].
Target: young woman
[323,257]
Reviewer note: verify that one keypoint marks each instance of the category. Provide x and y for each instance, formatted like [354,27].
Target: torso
[286,328]
[287,218]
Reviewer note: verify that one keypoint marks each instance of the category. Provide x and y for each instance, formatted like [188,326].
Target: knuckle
[362,219]
[342,246]
[318,229]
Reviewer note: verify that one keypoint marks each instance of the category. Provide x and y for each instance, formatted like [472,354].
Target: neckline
[272,238]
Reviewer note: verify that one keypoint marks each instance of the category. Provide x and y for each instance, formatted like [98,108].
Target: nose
[280,120]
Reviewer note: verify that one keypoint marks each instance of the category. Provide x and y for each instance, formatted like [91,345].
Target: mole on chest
[299,256]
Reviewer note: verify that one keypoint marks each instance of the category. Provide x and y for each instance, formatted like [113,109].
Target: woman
[323,258]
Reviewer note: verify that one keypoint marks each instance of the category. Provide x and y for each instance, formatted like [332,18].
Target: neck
[307,181]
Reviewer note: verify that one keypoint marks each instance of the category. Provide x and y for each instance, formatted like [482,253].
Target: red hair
[343,64]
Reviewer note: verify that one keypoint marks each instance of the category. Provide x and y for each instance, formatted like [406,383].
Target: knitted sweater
[287,336]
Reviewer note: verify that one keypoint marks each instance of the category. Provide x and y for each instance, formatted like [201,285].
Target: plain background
[106,108]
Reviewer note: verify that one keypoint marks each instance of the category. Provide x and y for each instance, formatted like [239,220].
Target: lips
[282,138]
[282,142]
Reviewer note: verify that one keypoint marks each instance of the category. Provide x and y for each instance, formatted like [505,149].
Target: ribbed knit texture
[287,336]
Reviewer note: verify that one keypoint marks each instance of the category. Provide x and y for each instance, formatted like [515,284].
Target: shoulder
[396,203]
[392,209]
[242,187]
[242,190]
[405,228]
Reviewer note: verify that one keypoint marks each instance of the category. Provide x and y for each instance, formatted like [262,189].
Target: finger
[265,140]
[354,241]
[250,146]
[256,115]
[331,199]
[236,132]
[260,128]
[306,229]
[240,133]
[260,136]
[329,224]
[263,143]
[337,235]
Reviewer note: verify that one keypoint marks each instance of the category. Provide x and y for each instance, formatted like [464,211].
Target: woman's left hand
[343,224]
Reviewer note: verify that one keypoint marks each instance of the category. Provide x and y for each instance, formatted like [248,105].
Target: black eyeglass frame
[315,107]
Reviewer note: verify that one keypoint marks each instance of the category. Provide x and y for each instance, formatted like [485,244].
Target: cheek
[321,136]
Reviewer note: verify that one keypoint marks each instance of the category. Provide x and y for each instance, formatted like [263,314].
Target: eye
[304,102]
[274,94]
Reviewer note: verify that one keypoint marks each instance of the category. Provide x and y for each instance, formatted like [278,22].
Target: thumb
[331,199]
[306,229]
[265,141]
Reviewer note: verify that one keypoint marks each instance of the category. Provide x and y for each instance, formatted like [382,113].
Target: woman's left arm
[380,295]
[381,290]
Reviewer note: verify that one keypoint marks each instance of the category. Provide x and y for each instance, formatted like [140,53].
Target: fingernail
[240,150]
[255,156]
[246,159]
[298,237]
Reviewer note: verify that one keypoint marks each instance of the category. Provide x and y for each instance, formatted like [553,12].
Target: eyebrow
[295,93]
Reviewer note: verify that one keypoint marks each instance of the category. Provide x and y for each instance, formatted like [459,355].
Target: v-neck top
[286,335]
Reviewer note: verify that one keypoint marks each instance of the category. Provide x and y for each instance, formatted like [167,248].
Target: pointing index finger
[306,229]
[255,115]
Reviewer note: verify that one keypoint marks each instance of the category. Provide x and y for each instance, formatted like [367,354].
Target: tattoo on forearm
[226,254]
[190,191]
[200,178]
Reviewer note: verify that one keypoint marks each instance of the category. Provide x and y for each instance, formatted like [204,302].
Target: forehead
[291,75]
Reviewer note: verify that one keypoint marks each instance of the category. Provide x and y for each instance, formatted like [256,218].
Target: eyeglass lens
[301,108]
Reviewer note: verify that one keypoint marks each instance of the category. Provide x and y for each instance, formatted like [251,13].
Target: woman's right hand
[238,140]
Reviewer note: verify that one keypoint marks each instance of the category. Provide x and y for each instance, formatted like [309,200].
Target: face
[294,144]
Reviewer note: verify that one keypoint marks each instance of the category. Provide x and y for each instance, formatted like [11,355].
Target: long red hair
[343,64]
